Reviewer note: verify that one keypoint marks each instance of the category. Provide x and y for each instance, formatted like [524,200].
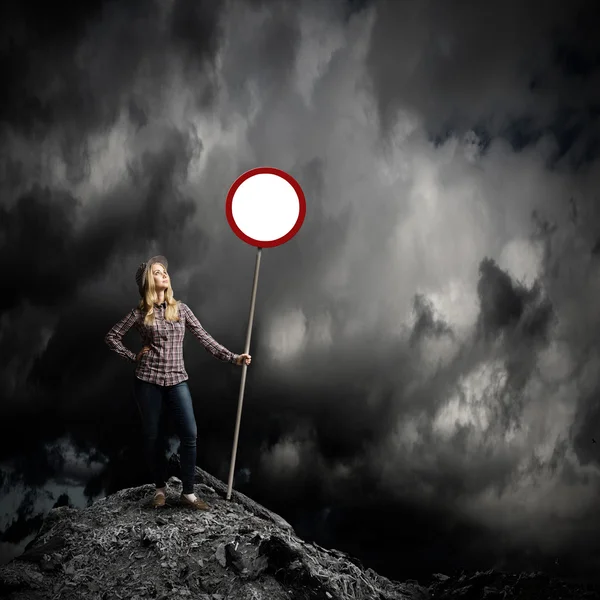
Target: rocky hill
[121,548]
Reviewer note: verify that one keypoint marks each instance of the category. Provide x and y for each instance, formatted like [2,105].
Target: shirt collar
[163,304]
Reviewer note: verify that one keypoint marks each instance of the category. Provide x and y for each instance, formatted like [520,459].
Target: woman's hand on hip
[243,357]
[142,352]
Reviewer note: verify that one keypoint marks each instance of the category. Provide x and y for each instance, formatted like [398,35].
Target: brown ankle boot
[159,500]
[197,504]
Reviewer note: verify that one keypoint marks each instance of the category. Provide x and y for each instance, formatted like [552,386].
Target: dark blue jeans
[153,401]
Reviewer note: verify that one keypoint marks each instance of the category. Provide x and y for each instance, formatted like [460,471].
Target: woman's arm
[192,323]
[114,336]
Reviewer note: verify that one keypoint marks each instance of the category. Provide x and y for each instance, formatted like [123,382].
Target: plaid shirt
[163,363]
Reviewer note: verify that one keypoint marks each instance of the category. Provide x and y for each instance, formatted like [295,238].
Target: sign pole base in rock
[244,369]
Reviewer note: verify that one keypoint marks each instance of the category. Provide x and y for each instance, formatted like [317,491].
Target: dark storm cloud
[466,63]
[194,27]
[263,63]
[271,57]
[36,39]
[48,85]
[73,65]
[42,244]
[426,324]
[38,247]
[506,304]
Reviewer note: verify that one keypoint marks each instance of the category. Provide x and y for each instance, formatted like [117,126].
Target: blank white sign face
[265,207]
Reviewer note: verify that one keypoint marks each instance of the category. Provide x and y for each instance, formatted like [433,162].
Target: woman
[160,375]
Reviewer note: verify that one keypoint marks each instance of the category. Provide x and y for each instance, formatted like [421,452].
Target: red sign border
[260,171]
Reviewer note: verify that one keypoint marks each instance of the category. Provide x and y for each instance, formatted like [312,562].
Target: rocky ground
[495,585]
[121,548]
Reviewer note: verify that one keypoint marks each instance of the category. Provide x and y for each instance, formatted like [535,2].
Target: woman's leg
[150,400]
[179,400]
[161,469]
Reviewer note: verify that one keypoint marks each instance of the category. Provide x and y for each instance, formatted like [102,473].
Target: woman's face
[161,279]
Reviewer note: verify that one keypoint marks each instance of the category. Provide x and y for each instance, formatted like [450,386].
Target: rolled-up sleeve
[211,345]
[115,335]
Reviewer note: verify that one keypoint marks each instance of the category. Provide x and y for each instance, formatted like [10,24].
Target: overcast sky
[425,350]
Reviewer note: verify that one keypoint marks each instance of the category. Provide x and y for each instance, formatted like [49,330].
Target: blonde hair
[146,304]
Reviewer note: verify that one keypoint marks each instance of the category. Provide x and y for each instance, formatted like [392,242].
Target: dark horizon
[423,390]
